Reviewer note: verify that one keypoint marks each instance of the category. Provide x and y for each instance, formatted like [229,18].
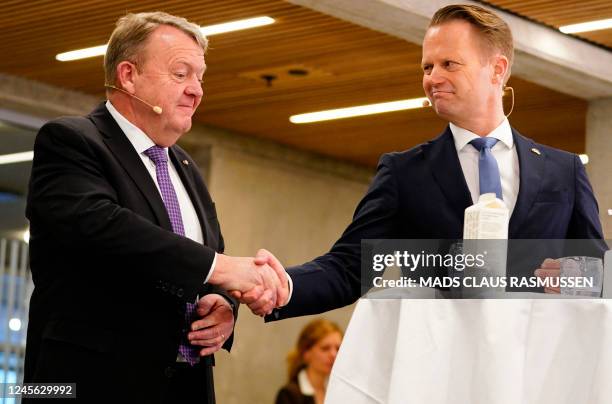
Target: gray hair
[131,34]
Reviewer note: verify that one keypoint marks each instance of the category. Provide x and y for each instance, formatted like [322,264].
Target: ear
[500,68]
[126,72]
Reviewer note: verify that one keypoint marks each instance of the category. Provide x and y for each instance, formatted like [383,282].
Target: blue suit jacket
[422,194]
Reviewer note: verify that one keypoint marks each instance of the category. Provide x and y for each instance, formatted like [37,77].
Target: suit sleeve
[585,223]
[585,217]
[71,197]
[334,279]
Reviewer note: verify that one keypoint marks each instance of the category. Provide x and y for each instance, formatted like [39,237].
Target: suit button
[169,371]
[180,292]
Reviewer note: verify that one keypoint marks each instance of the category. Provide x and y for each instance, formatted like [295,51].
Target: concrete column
[293,203]
[599,150]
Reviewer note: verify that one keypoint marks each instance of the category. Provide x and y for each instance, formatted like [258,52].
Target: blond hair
[314,332]
[494,31]
[131,34]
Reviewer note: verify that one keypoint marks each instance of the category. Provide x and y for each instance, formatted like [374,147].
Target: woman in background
[310,363]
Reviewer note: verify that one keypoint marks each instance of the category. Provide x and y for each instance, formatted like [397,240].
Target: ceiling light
[584,158]
[81,53]
[14,324]
[236,25]
[586,26]
[359,110]
[16,157]
[207,30]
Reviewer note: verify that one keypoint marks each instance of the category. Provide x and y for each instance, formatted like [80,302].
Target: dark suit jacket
[111,278]
[422,194]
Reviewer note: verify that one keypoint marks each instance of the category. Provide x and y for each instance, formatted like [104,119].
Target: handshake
[260,282]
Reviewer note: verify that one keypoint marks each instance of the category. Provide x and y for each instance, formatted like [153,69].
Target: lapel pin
[187,162]
[536,151]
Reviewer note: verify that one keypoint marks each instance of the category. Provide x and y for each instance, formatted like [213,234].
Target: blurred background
[291,188]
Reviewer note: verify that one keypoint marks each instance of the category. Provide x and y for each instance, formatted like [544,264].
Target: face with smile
[171,77]
[462,78]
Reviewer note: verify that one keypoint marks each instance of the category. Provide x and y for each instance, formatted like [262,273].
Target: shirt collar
[139,140]
[463,136]
[304,384]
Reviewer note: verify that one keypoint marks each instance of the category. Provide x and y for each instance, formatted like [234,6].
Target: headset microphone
[508,88]
[157,109]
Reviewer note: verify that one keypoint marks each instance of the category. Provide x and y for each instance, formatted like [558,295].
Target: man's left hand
[550,268]
[215,325]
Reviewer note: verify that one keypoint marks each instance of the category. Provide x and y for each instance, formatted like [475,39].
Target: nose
[436,76]
[195,88]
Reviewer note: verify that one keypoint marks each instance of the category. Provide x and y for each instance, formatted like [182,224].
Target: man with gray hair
[126,251]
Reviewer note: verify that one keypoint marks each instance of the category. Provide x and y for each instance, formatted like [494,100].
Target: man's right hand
[242,275]
[251,298]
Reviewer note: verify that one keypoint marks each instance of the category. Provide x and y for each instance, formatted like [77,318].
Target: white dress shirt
[141,142]
[504,152]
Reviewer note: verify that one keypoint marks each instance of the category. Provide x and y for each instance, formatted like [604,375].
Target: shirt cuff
[290,281]
[212,268]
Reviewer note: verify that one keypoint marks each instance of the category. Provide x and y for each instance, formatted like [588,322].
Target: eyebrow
[189,65]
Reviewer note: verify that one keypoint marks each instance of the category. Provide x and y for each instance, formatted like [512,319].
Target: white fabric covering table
[427,351]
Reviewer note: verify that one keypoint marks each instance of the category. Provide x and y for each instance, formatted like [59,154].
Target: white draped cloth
[527,351]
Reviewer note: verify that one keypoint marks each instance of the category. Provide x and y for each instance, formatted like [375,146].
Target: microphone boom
[156,108]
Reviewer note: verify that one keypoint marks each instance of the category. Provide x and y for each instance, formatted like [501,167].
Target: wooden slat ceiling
[351,65]
[557,13]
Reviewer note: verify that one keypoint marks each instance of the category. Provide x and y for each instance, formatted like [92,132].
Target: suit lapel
[531,168]
[187,179]
[446,169]
[123,150]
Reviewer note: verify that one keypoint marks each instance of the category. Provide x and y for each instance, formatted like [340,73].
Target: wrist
[219,270]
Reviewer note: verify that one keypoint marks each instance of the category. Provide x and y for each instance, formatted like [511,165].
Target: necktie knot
[484,143]
[157,154]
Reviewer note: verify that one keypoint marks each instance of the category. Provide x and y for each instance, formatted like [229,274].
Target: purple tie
[159,156]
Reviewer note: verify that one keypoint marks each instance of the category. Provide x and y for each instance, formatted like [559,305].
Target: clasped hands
[260,282]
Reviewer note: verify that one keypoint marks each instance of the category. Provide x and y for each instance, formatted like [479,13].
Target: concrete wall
[599,149]
[291,203]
